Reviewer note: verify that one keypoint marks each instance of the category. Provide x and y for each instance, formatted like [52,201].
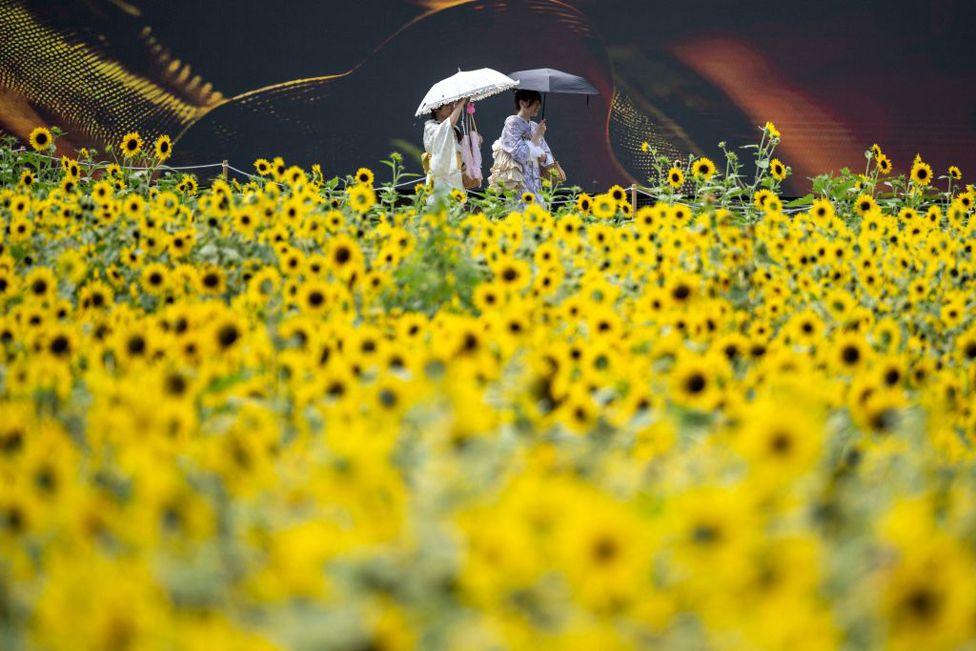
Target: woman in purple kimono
[521,149]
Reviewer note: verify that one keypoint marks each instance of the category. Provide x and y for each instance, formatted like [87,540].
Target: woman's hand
[540,132]
[456,109]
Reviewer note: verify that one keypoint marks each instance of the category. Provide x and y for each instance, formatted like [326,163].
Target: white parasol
[473,84]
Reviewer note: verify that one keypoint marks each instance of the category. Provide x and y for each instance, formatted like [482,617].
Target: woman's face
[532,109]
[443,112]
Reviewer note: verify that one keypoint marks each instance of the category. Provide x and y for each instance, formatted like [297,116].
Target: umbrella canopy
[548,80]
[474,84]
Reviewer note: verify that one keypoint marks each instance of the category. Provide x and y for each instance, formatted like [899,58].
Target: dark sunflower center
[176,384]
[781,443]
[136,345]
[228,335]
[605,550]
[695,383]
[923,603]
[60,345]
[706,534]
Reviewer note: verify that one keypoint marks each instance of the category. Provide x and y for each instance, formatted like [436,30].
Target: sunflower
[584,203]
[578,412]
[40,139]
[71,168]
[865,204]
[966,346]
[8,282]
[822,209]
[187,184]
[604,206]
[295,176]
[848,352]
[262,166]
[604,551]
[955,173]
[155,278]
[693,384]
[883,164]
[314,297]
[227,332]
[61,343]
[762,197]
[921,173]
[512,273]
[163,147]
[771,129]
[780,440]
[345,256]
[27,178]
[364,176]
[41,284]
[926,598]
[212,281]
[618,193]
[131,144]
[711,527]
[703,168]
[134,206]
[676,178]
[361,198]
[645,147]
[528,198]
[778,169]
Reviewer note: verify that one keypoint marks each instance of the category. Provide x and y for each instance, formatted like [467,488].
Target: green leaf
[802,201]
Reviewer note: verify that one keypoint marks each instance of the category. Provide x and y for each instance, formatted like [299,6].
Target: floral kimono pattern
[515,145]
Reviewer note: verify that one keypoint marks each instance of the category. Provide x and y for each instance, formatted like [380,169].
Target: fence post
[633,196]
[223,168]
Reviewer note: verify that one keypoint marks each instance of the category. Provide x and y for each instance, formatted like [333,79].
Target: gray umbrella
[548,80]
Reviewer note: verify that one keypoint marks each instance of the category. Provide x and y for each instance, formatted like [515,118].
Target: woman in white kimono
[442,147]
[522,148]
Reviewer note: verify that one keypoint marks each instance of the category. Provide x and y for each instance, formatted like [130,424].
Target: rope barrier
[406,183]
[177,168]
[93,165]
[242,172]
[788,211]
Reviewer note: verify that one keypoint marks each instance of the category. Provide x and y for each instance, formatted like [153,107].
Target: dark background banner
[337,83]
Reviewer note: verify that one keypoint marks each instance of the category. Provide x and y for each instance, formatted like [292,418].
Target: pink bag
[471,147]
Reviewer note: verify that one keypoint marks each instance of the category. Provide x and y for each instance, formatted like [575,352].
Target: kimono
[441,143]
[516,157]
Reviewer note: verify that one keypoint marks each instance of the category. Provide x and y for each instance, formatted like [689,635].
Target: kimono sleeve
[548,152]
[514,140]
[439,141]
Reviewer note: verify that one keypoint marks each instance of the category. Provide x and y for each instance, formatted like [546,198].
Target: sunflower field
[301,412]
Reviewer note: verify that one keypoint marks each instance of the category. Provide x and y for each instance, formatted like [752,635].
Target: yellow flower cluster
[282,415]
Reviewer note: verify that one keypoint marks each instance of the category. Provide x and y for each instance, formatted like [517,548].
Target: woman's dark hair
[527,96]
[458,134]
